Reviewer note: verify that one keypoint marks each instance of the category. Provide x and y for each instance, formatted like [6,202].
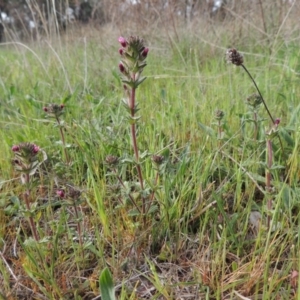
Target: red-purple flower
[35,149]
[145,52]
[121,68]
[276,122]
[60,193]
[122,41]
[15,148]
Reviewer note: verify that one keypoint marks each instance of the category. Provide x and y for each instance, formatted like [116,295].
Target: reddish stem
[27,202]
[134,141]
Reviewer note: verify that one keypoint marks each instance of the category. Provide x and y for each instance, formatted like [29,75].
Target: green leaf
[286,136]
[30,242]
[144,154]
[152,209]
[106,285]
[133,213]
[208,130]
[138,82]
[133,120]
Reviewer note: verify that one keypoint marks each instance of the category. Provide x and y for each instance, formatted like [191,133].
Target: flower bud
[122,41]
[35,149]
[15,148]
[145,52]
[60,193]
[121,68]
[277,121]
[121,51]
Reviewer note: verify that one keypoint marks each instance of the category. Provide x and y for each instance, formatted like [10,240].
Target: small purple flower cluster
[133,55]
[25,159]
[54,110]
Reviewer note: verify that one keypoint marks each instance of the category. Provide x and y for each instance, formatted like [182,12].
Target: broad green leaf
[106,285]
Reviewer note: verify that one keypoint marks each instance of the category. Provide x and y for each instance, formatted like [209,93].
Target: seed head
[254,100]
[74,193]
[158,159]
[111,160]
[234,57]
[219,115]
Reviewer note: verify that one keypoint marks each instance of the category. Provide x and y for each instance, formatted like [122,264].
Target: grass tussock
[183,184]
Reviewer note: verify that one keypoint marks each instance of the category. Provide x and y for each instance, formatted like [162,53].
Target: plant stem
[130,197]
[255,125]
[78,228]
[269,178]
[153,192]
[134,142]
[27,202]
[219,133]
[264,102]
[63,140]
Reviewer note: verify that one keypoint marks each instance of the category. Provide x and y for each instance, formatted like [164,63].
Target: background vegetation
[206,235]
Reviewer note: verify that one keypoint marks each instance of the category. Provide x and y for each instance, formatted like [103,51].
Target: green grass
[197,238]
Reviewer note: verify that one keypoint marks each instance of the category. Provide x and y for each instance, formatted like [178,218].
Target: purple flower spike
[122,41]
[133,55]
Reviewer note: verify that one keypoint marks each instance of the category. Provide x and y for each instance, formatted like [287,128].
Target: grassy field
[214,213]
